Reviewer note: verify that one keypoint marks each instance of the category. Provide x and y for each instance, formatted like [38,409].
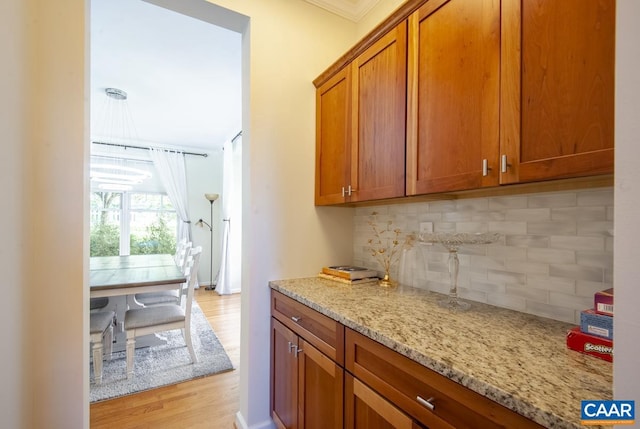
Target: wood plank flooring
[209,402]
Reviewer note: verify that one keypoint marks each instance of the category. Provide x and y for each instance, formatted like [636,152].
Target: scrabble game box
[590,344]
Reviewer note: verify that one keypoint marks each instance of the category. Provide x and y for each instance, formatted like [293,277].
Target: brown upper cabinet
[557,97]
[360,125]
[480,93]
[454,91]
[333,138]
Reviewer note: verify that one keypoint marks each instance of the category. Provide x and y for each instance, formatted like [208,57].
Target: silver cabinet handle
[485,167]
[295,319]
[296,350]
[503,164]
[349,190]
[426,402]
[343,193]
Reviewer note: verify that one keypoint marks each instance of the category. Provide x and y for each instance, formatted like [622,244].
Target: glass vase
[452,242]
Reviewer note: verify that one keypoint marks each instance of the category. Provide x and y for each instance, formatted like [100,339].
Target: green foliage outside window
[157,239]
[158,236]
[104,240]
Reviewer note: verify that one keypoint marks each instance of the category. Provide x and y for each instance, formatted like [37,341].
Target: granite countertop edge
[484,388]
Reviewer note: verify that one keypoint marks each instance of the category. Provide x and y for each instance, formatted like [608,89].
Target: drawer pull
[485,167]
[295,319]
[426,402]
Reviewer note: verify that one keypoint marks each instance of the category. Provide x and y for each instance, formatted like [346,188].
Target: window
[135,223]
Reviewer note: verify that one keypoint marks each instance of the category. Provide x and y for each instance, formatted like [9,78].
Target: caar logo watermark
[608,412]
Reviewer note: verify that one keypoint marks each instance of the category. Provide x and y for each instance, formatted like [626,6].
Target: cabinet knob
[295,319]
[426,402]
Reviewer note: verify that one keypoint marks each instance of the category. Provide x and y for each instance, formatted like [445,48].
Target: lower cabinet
[307,375]
[307,385]
[324,375]
[284,374]
[365,409]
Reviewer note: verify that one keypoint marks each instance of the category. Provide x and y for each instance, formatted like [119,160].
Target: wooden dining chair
[172,296]
[101,336]
[150,320]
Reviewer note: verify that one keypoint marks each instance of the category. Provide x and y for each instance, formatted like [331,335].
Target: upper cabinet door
[557,88]
[454,94]
[379,113]
[333,138]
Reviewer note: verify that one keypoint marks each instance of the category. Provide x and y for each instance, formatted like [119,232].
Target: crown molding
[352,10]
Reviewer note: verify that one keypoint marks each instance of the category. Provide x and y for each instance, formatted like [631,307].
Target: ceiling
[182,76]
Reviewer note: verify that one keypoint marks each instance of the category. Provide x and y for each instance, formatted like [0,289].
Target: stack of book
[349,274]
[594,336]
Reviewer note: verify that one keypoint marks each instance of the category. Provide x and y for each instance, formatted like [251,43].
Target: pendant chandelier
[117,129]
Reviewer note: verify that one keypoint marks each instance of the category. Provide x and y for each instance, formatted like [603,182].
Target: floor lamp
[211,198]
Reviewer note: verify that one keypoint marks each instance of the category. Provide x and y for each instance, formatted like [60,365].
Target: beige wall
[44,364]
[289,43]
[13,44]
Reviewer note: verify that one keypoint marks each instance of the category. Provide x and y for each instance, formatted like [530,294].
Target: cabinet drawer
[321,331]
[409,385]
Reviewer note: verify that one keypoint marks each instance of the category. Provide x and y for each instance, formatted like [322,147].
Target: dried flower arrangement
[386,246]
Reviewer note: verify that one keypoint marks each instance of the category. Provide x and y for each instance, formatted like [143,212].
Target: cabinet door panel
[320,386]
[284,387]
[563,54]
[455,77]
[365,409]
[379,110]
[333,138]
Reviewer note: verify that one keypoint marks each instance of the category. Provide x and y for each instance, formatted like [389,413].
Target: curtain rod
[128,146]
[236,136]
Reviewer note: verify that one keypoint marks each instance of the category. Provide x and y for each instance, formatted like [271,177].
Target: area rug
[165,364]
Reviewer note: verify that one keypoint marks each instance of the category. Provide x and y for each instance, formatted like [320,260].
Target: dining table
[120,278]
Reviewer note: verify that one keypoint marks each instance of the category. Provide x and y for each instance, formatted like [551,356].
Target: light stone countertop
[516,359]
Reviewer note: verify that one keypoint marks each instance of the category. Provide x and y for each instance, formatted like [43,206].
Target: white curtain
[171,170]
[229,276]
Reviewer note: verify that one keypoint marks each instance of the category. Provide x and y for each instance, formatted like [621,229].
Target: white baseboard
[241,423]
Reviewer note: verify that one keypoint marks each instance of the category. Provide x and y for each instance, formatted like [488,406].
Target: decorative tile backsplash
[555,252]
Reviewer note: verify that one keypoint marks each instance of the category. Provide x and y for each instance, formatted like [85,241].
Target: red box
[590,344]
[603,302]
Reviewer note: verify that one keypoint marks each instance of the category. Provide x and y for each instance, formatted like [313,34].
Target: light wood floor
[209,402]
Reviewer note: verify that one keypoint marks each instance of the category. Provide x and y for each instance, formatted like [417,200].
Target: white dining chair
[96,304]
[172,296]
[179,246]
[150,320]
[101,336]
